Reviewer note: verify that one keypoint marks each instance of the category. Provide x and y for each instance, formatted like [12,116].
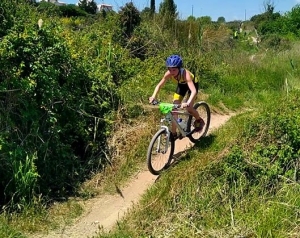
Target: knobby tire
[152,158]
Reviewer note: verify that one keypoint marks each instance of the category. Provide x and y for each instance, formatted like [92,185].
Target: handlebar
[175,106]
[155,102]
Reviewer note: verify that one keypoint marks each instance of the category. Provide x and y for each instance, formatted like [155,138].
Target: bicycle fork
[168,141]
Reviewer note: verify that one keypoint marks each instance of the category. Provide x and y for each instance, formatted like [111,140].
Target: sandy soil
[105,211]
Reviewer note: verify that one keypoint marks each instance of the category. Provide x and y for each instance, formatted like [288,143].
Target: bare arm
[190,83]
[159,86]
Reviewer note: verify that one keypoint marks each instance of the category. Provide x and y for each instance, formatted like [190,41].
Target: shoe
[199,125]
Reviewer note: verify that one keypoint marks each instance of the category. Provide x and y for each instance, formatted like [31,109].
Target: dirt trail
[106,210]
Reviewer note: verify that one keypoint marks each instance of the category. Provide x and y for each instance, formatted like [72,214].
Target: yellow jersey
[180,78]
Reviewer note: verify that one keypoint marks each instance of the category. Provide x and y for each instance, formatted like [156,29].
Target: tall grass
[243,180]
[202,195]
[218,190]
[248,79]
[37,218]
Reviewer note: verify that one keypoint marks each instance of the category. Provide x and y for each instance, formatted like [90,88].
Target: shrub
[54,126]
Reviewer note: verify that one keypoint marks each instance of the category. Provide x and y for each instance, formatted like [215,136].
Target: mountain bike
[161,148]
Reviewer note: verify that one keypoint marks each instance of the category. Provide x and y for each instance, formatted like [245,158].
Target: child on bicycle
[186,84]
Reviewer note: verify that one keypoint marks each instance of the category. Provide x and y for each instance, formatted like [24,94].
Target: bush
[54,127]
[270,149]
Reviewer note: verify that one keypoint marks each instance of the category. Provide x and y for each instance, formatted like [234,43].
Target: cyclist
[186,84]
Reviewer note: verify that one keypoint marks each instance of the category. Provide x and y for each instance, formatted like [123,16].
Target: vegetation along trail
[74,80]
[104,211]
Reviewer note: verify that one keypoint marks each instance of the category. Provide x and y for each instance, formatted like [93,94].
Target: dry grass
[126,152]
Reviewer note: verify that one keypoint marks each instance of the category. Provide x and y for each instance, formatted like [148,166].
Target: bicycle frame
[174,120]
[162,145]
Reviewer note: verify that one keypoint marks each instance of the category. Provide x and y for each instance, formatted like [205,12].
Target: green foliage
[129,18]
[12,12]
[146,14]
[270,23]
[268,15]
[168,8]
[191,19]
[31,54]
[52,10]
[6,230]
[152,6]
[167,14]
[49,9]
[24,176]
[204,20]
[89,6]
[221,20]
[54,111]
[137,43]
[60,88]
[72,10]
[276,42]
[292,21]
[270,148]
[254,181]
[133,36]
[6,17]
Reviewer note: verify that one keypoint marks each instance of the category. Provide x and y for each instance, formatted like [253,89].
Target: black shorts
[182,90]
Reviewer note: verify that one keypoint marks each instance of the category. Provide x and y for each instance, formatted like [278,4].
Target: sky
[229,9]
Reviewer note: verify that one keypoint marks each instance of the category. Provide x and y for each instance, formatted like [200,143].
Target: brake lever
[154,102]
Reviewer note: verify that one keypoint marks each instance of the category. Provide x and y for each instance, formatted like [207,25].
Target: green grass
[202,195]
[196,199]
[7,230]
[214,191]
[38,219]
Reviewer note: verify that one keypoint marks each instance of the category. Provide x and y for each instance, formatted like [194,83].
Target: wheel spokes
[160,153]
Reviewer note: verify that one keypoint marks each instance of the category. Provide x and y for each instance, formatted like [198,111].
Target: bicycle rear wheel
[204,112]
[160,151]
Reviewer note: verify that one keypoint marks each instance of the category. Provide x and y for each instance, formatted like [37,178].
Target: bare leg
[192,110]
[175,116]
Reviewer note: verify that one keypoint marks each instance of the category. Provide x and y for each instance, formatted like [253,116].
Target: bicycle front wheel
[204,112]
[160,151]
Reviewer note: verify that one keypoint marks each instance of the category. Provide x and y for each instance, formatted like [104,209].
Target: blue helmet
[174,61]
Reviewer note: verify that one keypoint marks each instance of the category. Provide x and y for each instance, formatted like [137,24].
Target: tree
[292,23]
[6,16]
[88,5]
[191,18]
[168,8]
[130,18]
[204,20]
[30,1]
[146,13]
[269,6]
[71,10]
[264,22]
[48,9]
[152,6]
[221,20]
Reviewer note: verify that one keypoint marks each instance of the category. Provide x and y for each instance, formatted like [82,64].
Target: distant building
[104,7]
[56,2]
